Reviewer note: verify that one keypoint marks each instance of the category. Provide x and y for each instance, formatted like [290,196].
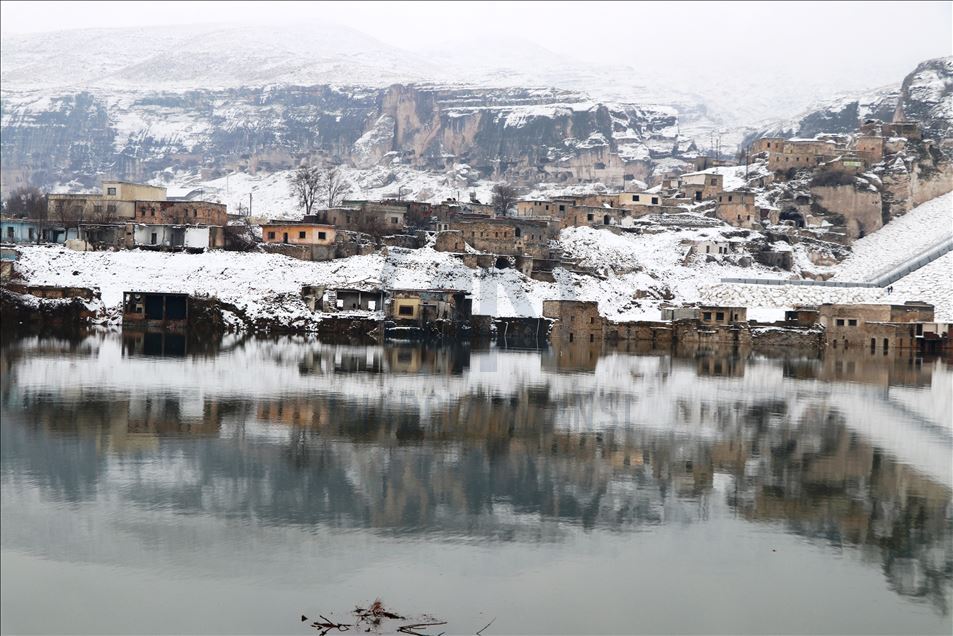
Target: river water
[155,487]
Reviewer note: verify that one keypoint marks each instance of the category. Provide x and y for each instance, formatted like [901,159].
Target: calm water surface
[147,487]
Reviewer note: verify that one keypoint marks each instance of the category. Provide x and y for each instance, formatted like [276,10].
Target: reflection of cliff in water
[488,463]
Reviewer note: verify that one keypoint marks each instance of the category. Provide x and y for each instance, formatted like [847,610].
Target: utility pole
[249,204]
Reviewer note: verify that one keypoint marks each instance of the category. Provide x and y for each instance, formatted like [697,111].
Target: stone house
[869,148]
[122,200]
[297,233]
[711,315]
[594,216]
[551,208]
[117,200]
[626,199]
[364,216]
[738,208]
[766,144]
[710,246]
[802,153]
[847,164]
[877,326]
[701,186]
[450,241]
[575,321]
[422,306]
[163,236]
[507,235]
[314,241]
[181,212]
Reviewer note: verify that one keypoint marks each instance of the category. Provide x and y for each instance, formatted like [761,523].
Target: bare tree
[69,213]
[310,184]
[504,198]
[26,201]
[104,213]
[29,202]
[336,187]
[307,182]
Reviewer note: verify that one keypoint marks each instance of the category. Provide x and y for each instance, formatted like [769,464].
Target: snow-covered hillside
[899,240]
[637,274]
[634,273]
[218,56]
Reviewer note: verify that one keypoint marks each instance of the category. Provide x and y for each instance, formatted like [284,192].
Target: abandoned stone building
[707,314]
[710,246]
[739,208]
[364,216]
[801,153]
[121,200]
[550,208]
[877,327]
[701,186]
[595,216]
[117,200]
[627,199]
[869,148]
[421,306]
[299,239]
[181,212]
[766,144]
[574,321]
[508,236]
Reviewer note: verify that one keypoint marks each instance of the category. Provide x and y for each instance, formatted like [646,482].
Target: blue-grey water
[152,486]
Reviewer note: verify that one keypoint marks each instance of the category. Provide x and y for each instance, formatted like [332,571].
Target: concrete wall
[123,191]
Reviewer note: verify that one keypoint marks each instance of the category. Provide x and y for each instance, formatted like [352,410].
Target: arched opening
[886,344]
[873,344]
[502,262]
[519,232]
[605,220]
[791,214]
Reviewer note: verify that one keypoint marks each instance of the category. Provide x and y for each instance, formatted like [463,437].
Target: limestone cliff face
[926,96]
[524,135]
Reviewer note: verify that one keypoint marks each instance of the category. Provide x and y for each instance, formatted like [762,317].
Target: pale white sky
[884,39]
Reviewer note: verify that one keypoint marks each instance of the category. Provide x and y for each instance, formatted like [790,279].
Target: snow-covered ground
[635,274]
[899,240]
[272,198]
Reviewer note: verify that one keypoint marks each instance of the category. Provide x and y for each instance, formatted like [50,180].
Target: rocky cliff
[524,135]
[925,95]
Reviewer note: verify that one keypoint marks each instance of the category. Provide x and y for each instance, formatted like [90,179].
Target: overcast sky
[881,40]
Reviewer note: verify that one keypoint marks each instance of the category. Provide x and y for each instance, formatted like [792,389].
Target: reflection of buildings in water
[718,364]
[572,356]
[893,368]
[500,464]
[823,482]
[392,358]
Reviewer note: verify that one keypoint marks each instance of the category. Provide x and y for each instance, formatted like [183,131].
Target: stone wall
[810,339]
[694,332]
[862,210]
